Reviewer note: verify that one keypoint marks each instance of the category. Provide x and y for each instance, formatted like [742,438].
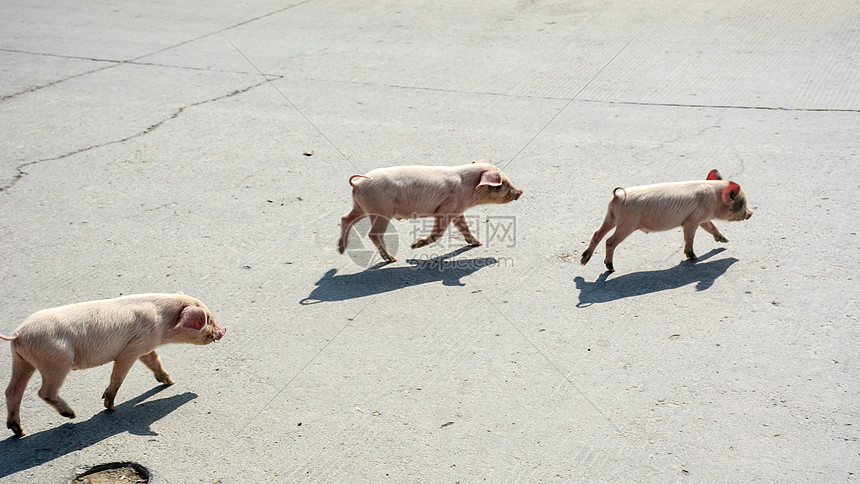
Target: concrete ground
[157,147]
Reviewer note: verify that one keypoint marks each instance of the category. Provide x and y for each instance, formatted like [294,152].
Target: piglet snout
[515,193]
[220,332]
[748,214]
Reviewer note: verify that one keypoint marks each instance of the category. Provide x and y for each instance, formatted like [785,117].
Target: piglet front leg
[439,227]
[712,229]
[463,227]
[121,366]
[153,362]
[378,225]
[689,234]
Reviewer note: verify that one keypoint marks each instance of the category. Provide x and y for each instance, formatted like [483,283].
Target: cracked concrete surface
[159,147]
[20,168]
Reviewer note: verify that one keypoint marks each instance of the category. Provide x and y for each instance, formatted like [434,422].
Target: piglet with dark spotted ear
[441,192]
[652,208]
[85,335]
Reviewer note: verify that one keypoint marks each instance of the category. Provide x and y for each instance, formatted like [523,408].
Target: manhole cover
[117,472]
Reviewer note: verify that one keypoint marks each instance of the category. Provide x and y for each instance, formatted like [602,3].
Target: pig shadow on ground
[382,278]
[133,416]
[639,283]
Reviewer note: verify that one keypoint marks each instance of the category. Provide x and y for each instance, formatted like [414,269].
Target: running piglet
[652,208]
[89,334]
[406,192]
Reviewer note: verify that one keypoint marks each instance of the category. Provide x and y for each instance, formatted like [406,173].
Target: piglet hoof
[586,256]
[109,400]
[16,428]
[609,266]
[164,378]
[721,238]
[419,243]
[341,247]
[690,255]
[68,413]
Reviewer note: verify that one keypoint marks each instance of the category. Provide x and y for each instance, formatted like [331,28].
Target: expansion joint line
[302,114]
[349,321]
[296,108]
[546,358]
[556,368]
[552,364]
[570,101]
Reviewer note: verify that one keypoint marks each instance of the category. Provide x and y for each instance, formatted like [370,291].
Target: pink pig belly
[412,216]
[659,224]
[89,355]
[656,228]
[88,362]
[416,210]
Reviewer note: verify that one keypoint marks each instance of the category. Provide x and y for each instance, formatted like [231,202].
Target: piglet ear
[490,179]
[731,192]
[714,175]
[479,161]
[193,318]
[180,293]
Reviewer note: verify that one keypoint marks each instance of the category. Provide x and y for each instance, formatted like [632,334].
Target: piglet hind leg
[21,373]
[121,366]
[52,380]
[378,225]
[599,234]
[153,362]
[622,231]
[346,223]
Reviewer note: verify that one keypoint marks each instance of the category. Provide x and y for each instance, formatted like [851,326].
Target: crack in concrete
[210,34]
[58,81]
[61,56]
[114,61]
[159,207]
[725,106]
[134,60]
[558,98]
[20,168]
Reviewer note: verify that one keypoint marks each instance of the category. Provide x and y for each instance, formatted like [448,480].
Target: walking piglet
[85,335]
[652,208]
[442,192]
